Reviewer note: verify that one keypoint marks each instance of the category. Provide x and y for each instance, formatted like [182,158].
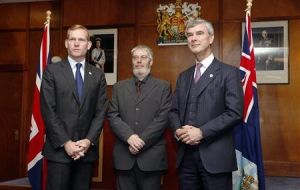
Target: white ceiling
[20,1]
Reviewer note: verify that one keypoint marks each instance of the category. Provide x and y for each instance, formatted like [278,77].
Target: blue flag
[250,173]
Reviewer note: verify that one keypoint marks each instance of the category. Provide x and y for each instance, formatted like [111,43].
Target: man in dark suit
[207,103]
[73,105]
[138,116]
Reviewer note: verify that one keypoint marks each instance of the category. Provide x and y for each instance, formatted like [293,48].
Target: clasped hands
[77,149]
[189,135]
[135,144]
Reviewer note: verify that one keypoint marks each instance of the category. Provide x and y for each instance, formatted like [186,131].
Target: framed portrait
[103,53]
[271,51]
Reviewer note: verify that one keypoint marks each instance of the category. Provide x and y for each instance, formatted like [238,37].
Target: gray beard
[141,73]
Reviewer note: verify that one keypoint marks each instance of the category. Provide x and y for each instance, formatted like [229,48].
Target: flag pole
[45,165]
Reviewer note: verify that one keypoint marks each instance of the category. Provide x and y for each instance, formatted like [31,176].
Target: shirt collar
[144,80]
[207,61]
[73,63]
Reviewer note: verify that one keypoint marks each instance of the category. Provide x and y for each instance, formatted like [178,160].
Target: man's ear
[211,39]
[66,43]
[151,62]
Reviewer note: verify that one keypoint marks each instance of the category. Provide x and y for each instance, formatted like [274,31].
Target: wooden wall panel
[13,47]
[126,41]
[98,13]
[280,116]
[263,9]
[231,41]
[10,123]
[38,14]
[13,16]
[209,9]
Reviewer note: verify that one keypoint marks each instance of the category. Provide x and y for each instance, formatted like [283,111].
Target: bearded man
[138,116]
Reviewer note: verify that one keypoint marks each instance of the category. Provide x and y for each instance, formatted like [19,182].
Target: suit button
[137,109]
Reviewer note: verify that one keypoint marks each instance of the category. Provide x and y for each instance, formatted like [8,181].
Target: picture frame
[109,43]
[271,51]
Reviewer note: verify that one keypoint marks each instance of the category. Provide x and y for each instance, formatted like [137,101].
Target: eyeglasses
[143,57]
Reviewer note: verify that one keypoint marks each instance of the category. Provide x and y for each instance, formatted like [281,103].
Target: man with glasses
[138,116]
[73,105]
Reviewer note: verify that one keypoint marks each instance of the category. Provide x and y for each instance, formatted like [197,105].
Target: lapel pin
[211,76]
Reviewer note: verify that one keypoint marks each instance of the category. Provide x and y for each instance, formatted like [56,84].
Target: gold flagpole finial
[48,13]
[249,5]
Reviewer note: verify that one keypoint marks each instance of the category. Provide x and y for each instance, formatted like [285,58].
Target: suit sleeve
[155,130]
[121,129]
[55,129]
[233,108]
[101,108]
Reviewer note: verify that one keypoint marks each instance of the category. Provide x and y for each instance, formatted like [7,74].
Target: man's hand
[73,150]
[132,150]
[189,135]
[84,144]
[136,143]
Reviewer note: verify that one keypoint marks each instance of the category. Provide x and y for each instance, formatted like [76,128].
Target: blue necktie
[79,81]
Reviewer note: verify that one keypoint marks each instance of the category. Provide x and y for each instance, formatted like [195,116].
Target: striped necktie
[198,72]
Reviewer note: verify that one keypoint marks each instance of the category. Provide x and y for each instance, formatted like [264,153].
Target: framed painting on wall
[271,51]
[103,52]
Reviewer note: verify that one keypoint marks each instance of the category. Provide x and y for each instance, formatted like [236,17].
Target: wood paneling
[13,16]
[98,13]
[126,41]
[10,123]
[13,47]
[38,14]
[209,9]
[231,42]
[280,116]
[261,10]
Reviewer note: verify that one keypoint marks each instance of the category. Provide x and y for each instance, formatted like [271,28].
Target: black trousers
[69,176]
[135,179]
[193,175]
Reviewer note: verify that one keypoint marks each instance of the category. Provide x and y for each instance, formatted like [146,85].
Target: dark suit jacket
[146,116]
[219,109]
[65,118]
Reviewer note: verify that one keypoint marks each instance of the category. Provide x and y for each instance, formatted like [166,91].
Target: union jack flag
[250,174]
[36,163]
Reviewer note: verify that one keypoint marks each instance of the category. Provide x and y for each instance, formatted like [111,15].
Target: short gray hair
[194,22]
[145,48]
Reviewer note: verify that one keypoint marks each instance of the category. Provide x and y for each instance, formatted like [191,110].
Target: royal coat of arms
[171,21]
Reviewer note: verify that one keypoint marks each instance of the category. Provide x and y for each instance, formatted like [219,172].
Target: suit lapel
[87,81]
[208,76]
[146,89]
[69,76]
[130,86]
